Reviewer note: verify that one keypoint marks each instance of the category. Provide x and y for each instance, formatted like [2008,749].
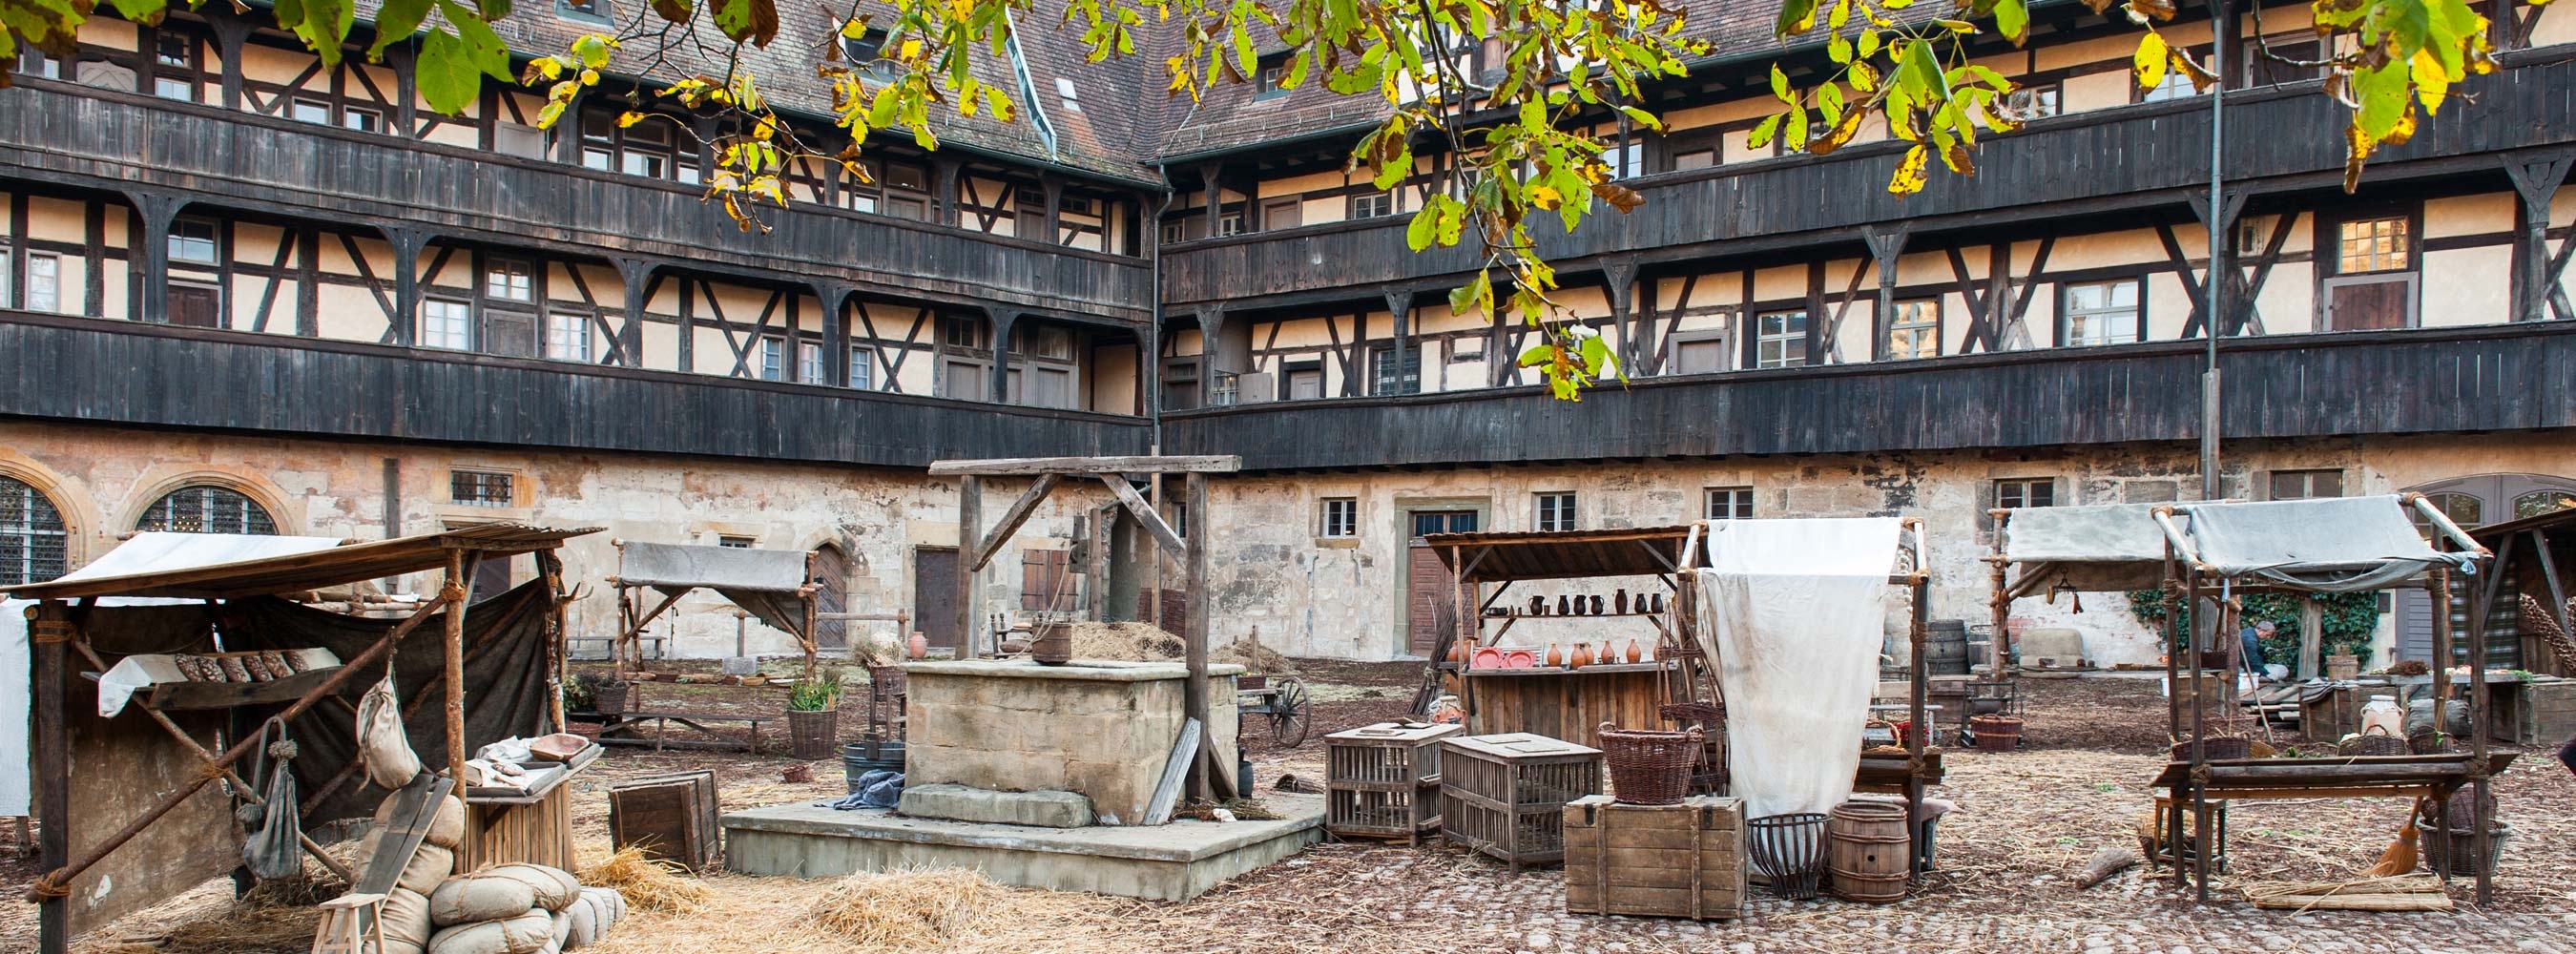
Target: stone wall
[1103,730]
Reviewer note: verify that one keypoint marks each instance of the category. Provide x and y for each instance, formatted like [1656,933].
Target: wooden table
[503,825]
[1567,704]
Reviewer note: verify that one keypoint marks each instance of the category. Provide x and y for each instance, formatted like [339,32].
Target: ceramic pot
[1619,602]
[1599,604]
[1538,606]
[1582,657]
[1554,657]
[1461,650]
[1564,607]
[917,647]
[1634,654]
[1519,659]
[1487,658]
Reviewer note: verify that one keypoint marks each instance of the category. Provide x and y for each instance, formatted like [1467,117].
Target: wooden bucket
[1866,846]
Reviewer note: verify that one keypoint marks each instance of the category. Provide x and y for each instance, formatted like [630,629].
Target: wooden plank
[1013,518]
[1176,766]
[1033,466]
[1145,515]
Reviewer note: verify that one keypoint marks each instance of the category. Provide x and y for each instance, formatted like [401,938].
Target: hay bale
[649,883]
[1143,642]
[902,910]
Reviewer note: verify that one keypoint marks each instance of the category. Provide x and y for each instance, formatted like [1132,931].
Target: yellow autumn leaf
[1545,197]
[2432,82]
[1909,173]
[911,50]
[629,118]
[2149,62]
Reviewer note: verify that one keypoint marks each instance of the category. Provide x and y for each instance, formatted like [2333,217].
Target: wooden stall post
[1998,643]
[1917,628]
[809,640]
[2481,841]
[2312,635]
[1194,641]
[49,633]
[550,570]
[2201,848]
[460,567]
[970,528]
[2437,589]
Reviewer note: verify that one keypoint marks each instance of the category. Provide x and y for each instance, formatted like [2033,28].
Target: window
[2373,245]
[207,509]
[1370,205]
[2538,502]
[1700,352]
[33,62]
[481,488]
[508,279]
[32,536]
[1174,232]
[193,241]
[361,119]
[2176,84]
[1051,343]
[44,282]
[865,49]
[2100,313]
[1230,223]
[6,300]
[1915,330]
[961,333]
[1730,503]
[1283,214]
[1271,81]
[650,148]
[735,543]
[1383,371]
[863,367]
[2018,493]
[2032,102]
[2306,484]
[1627,158]
[2463,509]
[1700,158]
[1340,518]
[446,324]
[907,191]
[592,10]
[1555,512]
[174,56]
[310,111]
[2262,70]
[773,359]
[1064,91]
[809,362]
[1780,339]
[568,337]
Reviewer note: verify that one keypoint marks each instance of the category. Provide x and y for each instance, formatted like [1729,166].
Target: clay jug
[1582,657]
[1554,658]
[1461,650]
[1634,654]
[1605,655]
[1538,606]
[917,647]
[1619,603]
[1563,607]
[1598,604]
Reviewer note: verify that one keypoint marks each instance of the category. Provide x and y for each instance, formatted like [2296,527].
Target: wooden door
[831,595]
[934,595]
[1427,604]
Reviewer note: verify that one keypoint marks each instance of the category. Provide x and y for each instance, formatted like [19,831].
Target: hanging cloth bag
[271,849]
[383,748]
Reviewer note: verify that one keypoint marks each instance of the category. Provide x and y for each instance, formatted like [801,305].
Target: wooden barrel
[1945,647]
[1866,845]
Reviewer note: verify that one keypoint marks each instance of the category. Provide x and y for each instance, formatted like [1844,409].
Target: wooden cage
[1505,795]
[1383,781]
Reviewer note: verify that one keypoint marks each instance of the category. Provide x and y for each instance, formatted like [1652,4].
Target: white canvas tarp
[152,552]
[2095,549]
[717,568]
[2333,545]
[1790,610]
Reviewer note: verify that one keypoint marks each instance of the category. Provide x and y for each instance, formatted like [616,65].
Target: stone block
[2051,642]
[1042,809]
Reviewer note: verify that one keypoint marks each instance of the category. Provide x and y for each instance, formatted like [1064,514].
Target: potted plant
[813,715]
[598,694]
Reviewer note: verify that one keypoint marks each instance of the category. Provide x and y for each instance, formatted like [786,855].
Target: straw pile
[907,909]
[241,929]
[648,883]
[1144,642]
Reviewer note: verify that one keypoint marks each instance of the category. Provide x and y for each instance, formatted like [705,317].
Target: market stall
[199,651]
[2052,552]
[2213,551]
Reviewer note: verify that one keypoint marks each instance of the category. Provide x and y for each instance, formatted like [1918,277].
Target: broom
[2402,854]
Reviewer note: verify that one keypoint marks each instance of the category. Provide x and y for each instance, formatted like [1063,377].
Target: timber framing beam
[1085,466]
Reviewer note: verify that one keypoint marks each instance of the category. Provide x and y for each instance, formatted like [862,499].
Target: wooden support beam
[460,569]
[970,523]
[1194,638]
[1033,466]
[1146,515]
[1013,518]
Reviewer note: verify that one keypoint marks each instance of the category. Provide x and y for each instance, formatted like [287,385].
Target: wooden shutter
[511,333]
[195,306]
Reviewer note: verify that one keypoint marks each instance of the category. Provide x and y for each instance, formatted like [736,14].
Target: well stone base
[1172,862]
[961,803]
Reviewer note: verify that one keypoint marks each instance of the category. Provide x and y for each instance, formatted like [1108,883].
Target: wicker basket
[1647,766]
[1996,733]
[2452,852]
[2217,747]
[2375,744]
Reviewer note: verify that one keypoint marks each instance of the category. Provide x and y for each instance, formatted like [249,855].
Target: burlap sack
[582,924]
[612,906]
[429,865]
[406,921]
[446,825]
[382,747]
[554,887]
[481,896]
[524,934]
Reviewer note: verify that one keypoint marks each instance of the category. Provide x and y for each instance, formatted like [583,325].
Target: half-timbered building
[243,291]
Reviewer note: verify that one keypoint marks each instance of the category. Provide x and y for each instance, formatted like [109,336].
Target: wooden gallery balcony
[2433,380]
[2070,170]
[164,376]
[67,135]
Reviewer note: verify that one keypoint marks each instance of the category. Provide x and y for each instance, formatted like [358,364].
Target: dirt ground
[2024,821]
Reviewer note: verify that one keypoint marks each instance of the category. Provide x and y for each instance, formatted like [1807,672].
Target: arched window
[207,509]
[2463,509]
[2538,502]
[32,535]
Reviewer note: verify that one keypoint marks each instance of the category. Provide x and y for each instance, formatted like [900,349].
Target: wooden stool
[351,924]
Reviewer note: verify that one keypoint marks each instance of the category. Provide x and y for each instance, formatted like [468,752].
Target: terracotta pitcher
[1462,650]
[1582,657]
[1554,658]
[917,646]
[1634,654]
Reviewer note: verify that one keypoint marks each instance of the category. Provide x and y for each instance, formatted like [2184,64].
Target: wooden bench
[624,728]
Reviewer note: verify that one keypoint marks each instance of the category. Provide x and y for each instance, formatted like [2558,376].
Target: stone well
[1100,729]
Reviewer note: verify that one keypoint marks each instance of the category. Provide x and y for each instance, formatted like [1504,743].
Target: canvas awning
[165,567]
[1561,554]
[2105,548]
[769,584]
[2333,545]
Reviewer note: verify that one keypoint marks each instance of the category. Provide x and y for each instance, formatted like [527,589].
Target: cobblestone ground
[2024,821]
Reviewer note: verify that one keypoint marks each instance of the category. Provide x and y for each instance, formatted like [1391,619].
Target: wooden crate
[1383,781]
[2542,713]
[1505,795]
[672,817]
[1672,861]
